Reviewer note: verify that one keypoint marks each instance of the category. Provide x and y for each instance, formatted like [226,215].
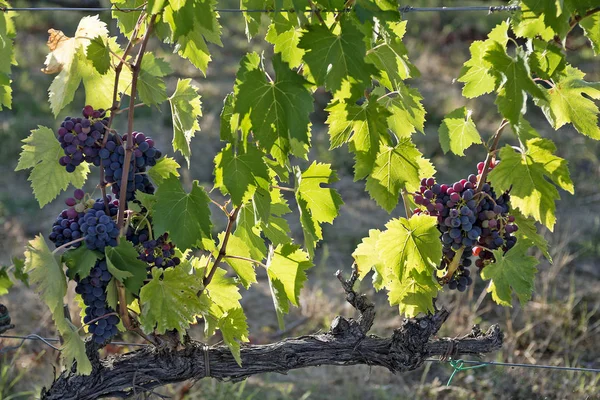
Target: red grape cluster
[81,138]
[471,220]
[159,252]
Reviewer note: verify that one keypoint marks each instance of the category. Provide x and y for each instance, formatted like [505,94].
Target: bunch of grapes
[159,252]
[93,291]
[99,229]
[81,138]
[113,159]
[470,221]
[66,227]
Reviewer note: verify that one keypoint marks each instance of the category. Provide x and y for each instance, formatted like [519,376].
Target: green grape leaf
[224,291]
[279,110]
[186,108]
[253,19]
[528,232]
[192,25]
[284,34]
[333,58]
[48,178]
[366,255]
[164,169]
[80,261]
[5,282]
[458,132]
[244,269]
[186,216]
[234,328]
[151,87]
[286,269]
[528,176]
[316,204]
[528,24]
[409,244]
[228,127]
[395,168]
[546,59]
[570,101]
[240,172]
[123,263]
[7,35]
[277,230]
[513,80]
[156,6]
[555,13]
[170,301]
[514,270]
[407,112]
[249,232]
[98,53]
[46,272]
[476,73]
[126,21]
[363,125]
[414,294]
[390,57]
[19,270]
[591,29]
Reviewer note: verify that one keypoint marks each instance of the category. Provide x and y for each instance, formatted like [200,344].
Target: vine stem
[222,251]
[98,319]
[64,246]
[490,155]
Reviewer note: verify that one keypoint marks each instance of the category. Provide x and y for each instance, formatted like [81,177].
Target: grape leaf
[186,108]
[526,174]
[170,301]
[513,80]
[98,53]
[19,270]
[546,59]
[7,34]
[286,269]
[5,282]
[253,19]
[123,263]
[48,178]
[249,232]
[234,328]
[476,72]
[277,230]
[316,204]
[244,269]
[414,294]
[407,112]
[80,261]
[366,255]
[284,34]
[151,87]
[570,100]
[279,110]
[224,291]
[514,270]
[556,14]
[409,244]
[458,132]
[395,168]
[591,29]
[228,127]
[185,216]
[333,57]
[164,168]
[240,173]
[390,57]
[526,23]
[46,273]
[126,21]
[528,232]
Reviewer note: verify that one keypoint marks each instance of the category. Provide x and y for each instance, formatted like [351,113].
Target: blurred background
[560,326]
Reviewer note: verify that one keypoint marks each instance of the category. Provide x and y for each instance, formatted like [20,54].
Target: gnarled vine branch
[346,343]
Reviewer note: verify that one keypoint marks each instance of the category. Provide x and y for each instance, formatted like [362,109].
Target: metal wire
[402,9]
[480,363]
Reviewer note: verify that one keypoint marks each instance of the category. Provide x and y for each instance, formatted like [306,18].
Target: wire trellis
[48,342]
[402,9]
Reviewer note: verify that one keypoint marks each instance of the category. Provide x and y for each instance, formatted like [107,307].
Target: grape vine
[148,259]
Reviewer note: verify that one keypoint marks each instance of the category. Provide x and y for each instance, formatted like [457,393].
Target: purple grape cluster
[159,252]
[467,220]
[100,230]
[81,138]
[113,159]
[66,227]
[93,291]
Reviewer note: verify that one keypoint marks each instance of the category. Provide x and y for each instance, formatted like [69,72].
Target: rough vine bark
[346,343]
